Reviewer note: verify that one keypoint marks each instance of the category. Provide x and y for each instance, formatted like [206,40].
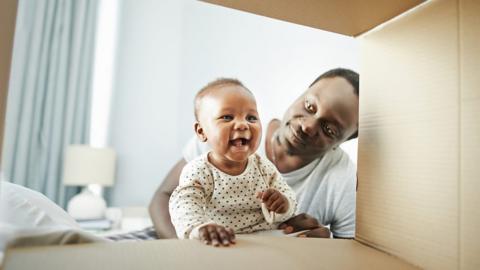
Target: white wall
[144,124]
[170,49]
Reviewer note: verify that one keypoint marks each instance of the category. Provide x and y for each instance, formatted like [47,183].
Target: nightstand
[125,220]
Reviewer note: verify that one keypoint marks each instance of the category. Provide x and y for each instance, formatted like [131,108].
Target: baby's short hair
[212,85]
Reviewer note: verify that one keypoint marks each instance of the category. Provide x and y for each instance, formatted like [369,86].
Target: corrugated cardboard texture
[8,12]
[348,17]
[470,134]
[408,194]
[249,253]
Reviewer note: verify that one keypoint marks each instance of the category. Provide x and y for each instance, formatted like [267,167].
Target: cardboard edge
[407,12]
[350,30]
[383,249]
[8,15]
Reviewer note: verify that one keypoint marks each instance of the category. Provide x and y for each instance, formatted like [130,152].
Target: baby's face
[229,122]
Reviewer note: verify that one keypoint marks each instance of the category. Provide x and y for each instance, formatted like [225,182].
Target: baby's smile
[238,142]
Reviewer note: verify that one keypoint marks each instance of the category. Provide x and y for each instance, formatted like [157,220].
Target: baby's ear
[199,131]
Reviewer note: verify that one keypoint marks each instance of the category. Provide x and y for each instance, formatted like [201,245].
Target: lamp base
[87,205]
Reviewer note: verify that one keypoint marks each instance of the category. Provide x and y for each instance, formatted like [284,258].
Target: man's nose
[310,126]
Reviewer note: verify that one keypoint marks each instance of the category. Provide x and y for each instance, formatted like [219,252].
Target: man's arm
[159,205]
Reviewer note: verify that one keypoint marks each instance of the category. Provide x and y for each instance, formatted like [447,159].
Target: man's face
[229,122]
[322,118]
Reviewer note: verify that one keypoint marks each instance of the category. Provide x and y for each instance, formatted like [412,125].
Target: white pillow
[24,208]
[28,218]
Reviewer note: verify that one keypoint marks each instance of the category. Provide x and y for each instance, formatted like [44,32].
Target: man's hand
[322,232]
[304,222]
[216,235]
[274,200]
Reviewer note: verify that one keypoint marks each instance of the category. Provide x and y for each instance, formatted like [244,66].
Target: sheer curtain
[49,98]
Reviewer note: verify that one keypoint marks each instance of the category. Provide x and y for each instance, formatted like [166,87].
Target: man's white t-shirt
[325,188]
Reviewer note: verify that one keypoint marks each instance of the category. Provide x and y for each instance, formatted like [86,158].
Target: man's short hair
[211,85]
[351,76]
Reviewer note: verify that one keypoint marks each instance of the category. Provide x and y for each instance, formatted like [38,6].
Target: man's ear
[199,131]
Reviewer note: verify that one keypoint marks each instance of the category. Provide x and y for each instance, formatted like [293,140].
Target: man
[304,148]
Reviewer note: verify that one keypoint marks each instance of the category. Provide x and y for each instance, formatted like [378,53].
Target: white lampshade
[86,165]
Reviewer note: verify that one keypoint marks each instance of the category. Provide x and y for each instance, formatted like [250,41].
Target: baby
[230,189]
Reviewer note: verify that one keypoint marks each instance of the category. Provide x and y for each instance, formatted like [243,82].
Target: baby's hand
[274,200]
[216,235]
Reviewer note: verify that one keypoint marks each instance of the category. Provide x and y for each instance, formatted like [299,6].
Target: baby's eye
[226,117]
[252,118]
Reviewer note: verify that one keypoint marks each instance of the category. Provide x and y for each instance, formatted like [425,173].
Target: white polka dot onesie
[207,195]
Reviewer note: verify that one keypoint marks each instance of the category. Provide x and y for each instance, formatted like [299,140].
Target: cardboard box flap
[347,17]
[8,14]
[419,142]
[250,252]
[469,248]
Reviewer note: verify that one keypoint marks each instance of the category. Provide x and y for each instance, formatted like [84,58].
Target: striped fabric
[140,235]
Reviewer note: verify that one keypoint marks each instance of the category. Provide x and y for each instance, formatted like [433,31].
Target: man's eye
[330,132]
[309,107]
[227,117]
[252,118]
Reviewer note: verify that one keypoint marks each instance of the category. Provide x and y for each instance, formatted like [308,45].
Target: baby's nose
[241,125]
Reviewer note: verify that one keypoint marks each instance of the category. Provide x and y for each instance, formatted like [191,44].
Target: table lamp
[85,165]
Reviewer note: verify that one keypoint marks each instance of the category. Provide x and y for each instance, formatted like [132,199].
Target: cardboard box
[8,11]
[419,137]
[419,148]
[249,253]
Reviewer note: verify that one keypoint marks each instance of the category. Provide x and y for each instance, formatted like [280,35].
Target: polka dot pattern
[206,194]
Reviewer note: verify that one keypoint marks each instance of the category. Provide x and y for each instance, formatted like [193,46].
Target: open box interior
[419,147]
